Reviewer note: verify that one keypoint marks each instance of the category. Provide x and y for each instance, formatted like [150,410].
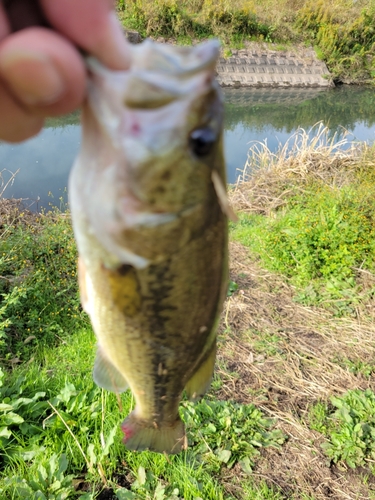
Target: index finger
[93,26]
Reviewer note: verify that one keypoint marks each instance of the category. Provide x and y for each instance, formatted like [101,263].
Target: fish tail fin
[140,435]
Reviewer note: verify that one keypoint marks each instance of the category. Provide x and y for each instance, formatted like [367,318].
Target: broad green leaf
[40,496]
[224,455]
[141,475]
[55,486]
[67,392]
[159,492]
[63,465]
[124,494]
[5,432]
[5,407]
[246,466]
[28,455]
[42,474]
[12,418]
[34,485]
[52,466]
[109,441]
[91,453]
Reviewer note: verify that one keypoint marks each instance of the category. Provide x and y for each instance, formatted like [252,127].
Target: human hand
[42,72]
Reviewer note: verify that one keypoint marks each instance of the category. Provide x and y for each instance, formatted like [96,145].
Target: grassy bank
[341,31]
[291,413]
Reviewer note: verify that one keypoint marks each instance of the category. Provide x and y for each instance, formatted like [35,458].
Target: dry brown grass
[17,211]
[269,178]
[281,11]
[283,356]
[280,15]
[12,213]
[285,384]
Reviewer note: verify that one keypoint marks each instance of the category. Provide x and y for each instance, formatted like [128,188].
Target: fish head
[152,134]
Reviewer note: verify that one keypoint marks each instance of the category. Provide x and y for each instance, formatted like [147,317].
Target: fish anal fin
[200,382]
[141,435]
[107,376]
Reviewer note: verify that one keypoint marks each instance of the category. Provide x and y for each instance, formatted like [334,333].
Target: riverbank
[291,410]
[339,32]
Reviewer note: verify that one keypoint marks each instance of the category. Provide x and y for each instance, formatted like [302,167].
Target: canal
[271,115]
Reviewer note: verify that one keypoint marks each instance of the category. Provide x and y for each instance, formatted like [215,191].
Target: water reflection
[43,162]
[251,114]
[274,115]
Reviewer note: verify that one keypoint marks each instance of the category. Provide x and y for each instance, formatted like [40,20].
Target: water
[251,114]
[274,115]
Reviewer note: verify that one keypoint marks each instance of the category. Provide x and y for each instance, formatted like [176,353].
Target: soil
[286,377]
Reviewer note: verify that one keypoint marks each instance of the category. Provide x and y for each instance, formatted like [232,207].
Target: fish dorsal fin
[222,196]
[106,375]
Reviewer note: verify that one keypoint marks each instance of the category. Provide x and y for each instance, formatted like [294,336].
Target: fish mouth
[160,73]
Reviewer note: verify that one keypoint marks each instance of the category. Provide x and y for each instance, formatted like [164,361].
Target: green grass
[341,31]
[38,289]
[233,22]
[318,239]
[349,426]
[345,46]
[264,343]
[60,435]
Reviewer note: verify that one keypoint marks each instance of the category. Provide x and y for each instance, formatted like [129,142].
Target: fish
[150,216]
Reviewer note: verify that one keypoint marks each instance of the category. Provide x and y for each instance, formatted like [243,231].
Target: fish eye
[201,141]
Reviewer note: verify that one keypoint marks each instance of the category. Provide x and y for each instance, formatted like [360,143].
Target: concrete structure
[255,68]
[260,66]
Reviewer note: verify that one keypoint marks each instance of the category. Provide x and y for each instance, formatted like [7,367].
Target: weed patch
[349,425]
[346,44]
[232,22]
[39,302]
[230,433]
[289,359]
[59,434]
[341,31]
[318,231]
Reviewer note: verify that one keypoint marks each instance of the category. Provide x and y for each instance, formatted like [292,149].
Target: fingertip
[43,71]
[16,124]
[32,76]
[21,131]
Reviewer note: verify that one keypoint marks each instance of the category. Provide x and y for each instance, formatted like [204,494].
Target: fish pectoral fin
[107,376]
[140,435]
[82,284]
[201,380]
[222,196]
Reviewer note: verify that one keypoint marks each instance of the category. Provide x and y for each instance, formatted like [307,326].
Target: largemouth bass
[148,202]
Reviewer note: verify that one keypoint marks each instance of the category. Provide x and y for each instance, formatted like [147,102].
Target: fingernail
[32,77]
